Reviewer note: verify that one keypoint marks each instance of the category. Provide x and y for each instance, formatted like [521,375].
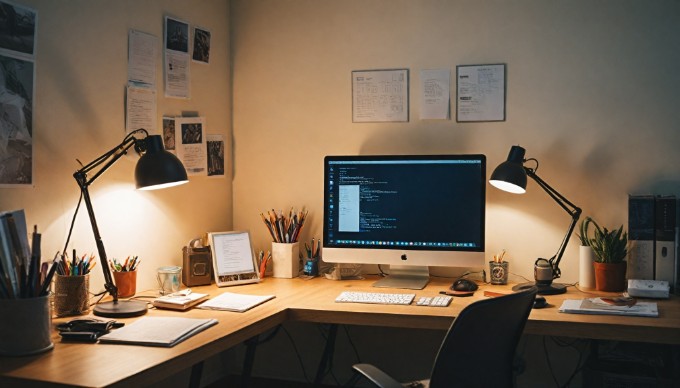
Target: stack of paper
[157,331]
[230,301]
[179,302]
[598,306]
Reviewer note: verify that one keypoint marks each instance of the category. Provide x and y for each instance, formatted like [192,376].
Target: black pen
[48,279]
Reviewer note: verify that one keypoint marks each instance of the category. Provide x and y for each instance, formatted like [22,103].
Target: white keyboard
[374,297]
[435,301]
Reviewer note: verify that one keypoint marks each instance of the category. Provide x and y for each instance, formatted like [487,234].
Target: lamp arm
[573,210]
[108,159]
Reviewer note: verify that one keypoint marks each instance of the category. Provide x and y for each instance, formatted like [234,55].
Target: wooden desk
[104,365]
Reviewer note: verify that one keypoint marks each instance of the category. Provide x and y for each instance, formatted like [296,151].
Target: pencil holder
[126,282]
[71,295]
[498,272]
[285,260]
[26,326]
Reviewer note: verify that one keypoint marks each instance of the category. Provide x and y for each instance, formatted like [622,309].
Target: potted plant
[610,248]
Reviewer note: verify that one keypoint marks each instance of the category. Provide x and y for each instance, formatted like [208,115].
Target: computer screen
[409,211]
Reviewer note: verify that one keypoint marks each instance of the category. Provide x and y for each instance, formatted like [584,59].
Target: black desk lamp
[156,168]
[511,176]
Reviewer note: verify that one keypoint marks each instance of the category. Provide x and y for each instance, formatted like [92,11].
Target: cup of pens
[125,276]
[72,285]
[498,269]
[285,231]
[311,266]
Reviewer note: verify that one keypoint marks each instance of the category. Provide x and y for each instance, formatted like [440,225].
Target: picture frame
[480,92]
[233,260]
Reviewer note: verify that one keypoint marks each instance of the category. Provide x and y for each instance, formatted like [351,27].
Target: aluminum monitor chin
[408,211]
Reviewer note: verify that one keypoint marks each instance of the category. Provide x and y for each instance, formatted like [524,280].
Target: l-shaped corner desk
[108,365]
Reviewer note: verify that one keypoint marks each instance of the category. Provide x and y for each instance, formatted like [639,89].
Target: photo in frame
[233,260]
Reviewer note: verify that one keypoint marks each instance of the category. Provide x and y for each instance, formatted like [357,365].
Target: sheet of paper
[142,58]
[435,98]
[481,93]
[233,253]
[190,139]
[140,109]
[380,96]
[176,43]
[230,301]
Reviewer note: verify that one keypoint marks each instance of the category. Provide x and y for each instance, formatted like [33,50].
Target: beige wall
[79,112]
[592,93]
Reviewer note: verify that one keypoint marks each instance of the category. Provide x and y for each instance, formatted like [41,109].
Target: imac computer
[408,211]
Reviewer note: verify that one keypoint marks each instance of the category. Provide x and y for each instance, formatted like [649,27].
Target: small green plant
[583,231]
[609,246]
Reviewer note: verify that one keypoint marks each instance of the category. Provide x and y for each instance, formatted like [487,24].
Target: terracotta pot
[610,276]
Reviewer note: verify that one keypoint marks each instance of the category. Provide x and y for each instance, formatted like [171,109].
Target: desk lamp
[156,168]
[511,176]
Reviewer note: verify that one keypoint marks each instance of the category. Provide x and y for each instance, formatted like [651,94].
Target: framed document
[380,96]
[480,95]
[233,260]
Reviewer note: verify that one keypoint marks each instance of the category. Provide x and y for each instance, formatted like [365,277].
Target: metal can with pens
[498,269]
[311,265]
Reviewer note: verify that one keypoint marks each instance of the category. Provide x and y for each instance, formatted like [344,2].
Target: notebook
[157,331]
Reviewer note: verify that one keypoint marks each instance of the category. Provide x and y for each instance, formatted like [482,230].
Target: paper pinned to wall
[140,109]
[190,144]
[435,94]
[142,58]
[380,96]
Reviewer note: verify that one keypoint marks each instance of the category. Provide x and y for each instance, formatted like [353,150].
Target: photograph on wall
[176,35]
[201,45]
[17,29]
[169,133]
[16,121]
[215,155]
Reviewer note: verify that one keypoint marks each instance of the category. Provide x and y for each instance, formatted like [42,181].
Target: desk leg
[251,346]
[195,378]
[327,354]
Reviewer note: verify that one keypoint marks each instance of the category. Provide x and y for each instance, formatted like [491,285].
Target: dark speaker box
[197,266]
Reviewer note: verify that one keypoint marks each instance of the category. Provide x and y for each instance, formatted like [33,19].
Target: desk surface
[100,365]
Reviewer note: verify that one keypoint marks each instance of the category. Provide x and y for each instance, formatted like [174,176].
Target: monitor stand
[405,276]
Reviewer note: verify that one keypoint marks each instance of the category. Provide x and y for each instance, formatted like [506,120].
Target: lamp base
[120,309]
[550,289]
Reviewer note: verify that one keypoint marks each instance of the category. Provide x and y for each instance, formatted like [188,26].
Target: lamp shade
[158,168]
[510,175]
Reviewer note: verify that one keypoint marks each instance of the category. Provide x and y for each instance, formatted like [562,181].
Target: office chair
[478,349]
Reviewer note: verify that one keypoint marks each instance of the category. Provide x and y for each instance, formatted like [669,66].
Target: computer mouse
[464,285]
[540,302]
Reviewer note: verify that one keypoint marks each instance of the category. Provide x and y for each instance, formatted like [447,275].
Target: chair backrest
[479,348]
